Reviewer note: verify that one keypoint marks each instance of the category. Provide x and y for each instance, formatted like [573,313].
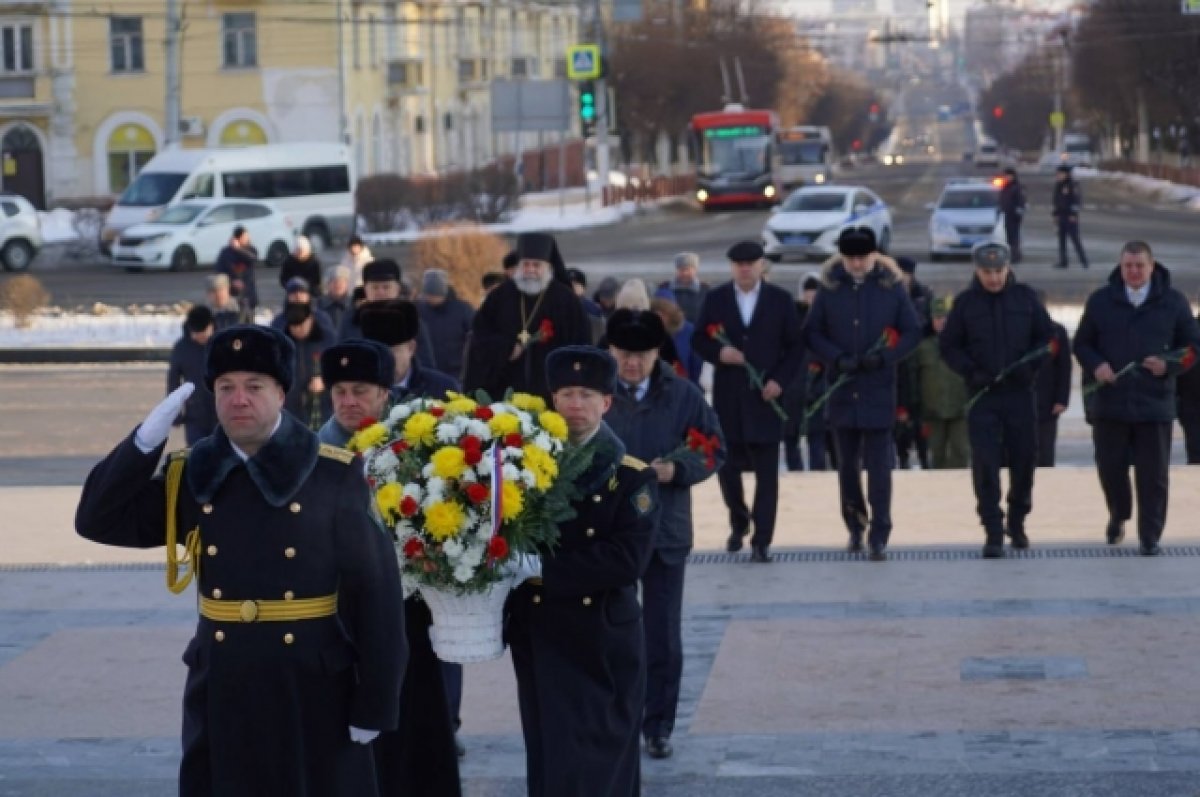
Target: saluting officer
[575,628]
[994,324]
[299,650]
[653,413]
[419,758]
[861,297]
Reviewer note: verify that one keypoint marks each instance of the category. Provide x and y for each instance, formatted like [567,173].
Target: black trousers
[1070,229]
[1012,231]
[662,615]
[763,460]
[1047,440]
[1191,437]
[1002,427]
[1147,446]
[452,677]
[873,450]
[816,451]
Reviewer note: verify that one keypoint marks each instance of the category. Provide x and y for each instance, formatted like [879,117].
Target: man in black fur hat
[522,321]
[397,324]
[299,650]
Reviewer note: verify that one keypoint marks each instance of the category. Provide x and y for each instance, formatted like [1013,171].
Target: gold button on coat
[295,507]
[288,639]
[587,601]
[287,596]
[219,636]
[537,598]
[217,594]
[206,509]
[212,550]
[590,532]
[289,552]
[248,611]
[597,498]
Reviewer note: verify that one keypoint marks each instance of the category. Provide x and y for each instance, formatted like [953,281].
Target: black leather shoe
[856,545]
[1018,539]
[993,550]
[1149,549]
[734,543]
[1115,532]
[659,747]
[877,554]
[758,553]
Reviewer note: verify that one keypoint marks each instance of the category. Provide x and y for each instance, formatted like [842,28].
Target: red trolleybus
[735,157]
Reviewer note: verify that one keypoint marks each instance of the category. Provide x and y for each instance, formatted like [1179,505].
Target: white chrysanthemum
[435,490]
[478,428]
[511,472]
[399,413]
[468,476]
[473,555]
[463,572]
[427,470]
[452,548]
[385,461]
[448,433]
[412,489]
[529,478]
[405,530]
[543,441]
[484,468]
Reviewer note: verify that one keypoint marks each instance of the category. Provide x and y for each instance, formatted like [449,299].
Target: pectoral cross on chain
[523,336]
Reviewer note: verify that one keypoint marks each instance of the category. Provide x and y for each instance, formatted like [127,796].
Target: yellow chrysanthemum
[419,429]
[387,499]
[554,424]
[368,438]
[528,402]
[443,519]
[513,501]
[460,406]
[448,462]
[504,424]
[543,466]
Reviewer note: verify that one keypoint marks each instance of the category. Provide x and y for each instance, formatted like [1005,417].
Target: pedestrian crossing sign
[583,61]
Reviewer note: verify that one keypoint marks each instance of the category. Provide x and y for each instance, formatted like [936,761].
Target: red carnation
[545,331]
[477,493]
[365,422]
[814,368]
[1052,347]
[1189,358]
[696,440]
[408,506]
[713,330]
[679,369]
[902,414]
[484,413]
[710,462]
[891,337]
[497,548]
[371,482]
[399,447]
[472,456]
[470,441]
[514,440]
[437,412]
[414,548]
[926,431]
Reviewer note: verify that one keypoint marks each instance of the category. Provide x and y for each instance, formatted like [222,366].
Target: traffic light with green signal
[587,107]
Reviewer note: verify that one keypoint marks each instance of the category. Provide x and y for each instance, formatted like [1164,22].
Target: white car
[808,223]
[988,154]
[192,233]
[20,232]
[967,213]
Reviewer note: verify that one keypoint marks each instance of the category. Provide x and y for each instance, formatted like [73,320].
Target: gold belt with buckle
[268,611]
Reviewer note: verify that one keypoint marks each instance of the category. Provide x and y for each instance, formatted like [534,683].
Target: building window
[239,34]
[125,41]
[130,147]
[16,47]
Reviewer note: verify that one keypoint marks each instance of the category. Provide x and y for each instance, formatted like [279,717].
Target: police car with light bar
[808,223]
[967,213]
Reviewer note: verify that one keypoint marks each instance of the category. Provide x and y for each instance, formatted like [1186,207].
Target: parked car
[192,233]
[809,221]
[20,232]
[967,213]
[988,154]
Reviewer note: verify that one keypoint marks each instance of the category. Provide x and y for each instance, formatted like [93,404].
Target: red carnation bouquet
[696,445]
[717,333]
[888,340]
[1050,349]
[545,332]
[1185,358]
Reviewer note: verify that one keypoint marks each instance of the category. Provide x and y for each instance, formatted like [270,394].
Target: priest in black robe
[523,320]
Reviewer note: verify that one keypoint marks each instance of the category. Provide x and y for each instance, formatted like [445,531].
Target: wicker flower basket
[467,628]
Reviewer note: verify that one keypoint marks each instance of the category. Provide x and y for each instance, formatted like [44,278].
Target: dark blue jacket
[448,325]
[238,264]
[1113,331]
[656,426]
[312,410]
[849,319]
[425,383]
[987,332]
[771,344]
[187,364]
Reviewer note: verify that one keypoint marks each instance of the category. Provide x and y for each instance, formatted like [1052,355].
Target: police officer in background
[1066,205]
[652,413]
[993,324]
[861,296]
[299,650]
[575,626]
[1012,207]
[1134,319]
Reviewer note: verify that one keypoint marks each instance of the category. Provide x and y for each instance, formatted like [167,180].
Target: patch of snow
[58,225]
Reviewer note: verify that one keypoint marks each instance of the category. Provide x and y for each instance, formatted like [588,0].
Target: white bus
[804,156]
[311,184]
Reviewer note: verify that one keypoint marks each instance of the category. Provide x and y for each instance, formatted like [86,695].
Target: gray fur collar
[279,468]
[886,271]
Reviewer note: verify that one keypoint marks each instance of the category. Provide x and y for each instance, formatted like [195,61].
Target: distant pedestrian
[447,319]
[689,290]
[595,315]
[1067,205]
[1012,207]
[1126,328]
[863,302]
[237,261]
[382,282]
[338,299]
[187,363]
[1053,389]
[994,324]
[302,263]
[943,398]
[225,309]
[311,332]
[748,323]
[356,257]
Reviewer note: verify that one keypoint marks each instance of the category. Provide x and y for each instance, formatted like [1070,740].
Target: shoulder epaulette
[633,462]
[333,452]
[180,454]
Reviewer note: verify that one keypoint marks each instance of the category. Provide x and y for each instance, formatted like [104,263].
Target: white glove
[155,430]
[361,736]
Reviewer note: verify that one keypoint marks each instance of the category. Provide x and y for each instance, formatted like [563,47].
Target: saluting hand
[155,430]
[1155,365]
[731,356]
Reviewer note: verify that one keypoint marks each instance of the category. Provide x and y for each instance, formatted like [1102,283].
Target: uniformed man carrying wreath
[575,628]
[299,650]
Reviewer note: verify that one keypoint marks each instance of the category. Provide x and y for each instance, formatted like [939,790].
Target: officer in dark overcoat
[299,651]
[575,627]
[992,326]
[760,323]
[862,297]
[653,413]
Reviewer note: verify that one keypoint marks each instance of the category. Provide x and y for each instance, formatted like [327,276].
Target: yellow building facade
[83,94]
